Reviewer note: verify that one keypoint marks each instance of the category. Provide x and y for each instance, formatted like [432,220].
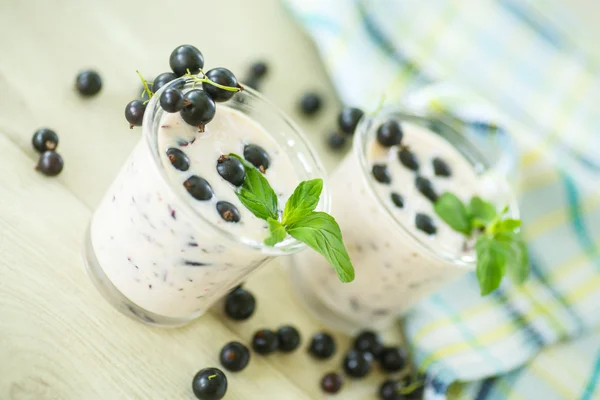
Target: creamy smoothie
[171,253]
[382,198]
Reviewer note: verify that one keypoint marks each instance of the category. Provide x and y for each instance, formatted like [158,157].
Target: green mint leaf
[320,231]
[452,210]
[256,194]
[508,225]
[517,255]
[277,230]
[303,201]
[482,211]
[491,264]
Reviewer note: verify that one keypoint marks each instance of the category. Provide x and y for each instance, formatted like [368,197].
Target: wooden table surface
[58,338]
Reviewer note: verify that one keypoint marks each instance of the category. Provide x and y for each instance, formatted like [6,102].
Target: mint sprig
[299,219]
[499,246]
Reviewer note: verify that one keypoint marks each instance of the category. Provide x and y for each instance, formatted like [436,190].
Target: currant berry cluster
[196,106]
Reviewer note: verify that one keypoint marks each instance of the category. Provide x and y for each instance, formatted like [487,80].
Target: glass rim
[290,245]
[364,134]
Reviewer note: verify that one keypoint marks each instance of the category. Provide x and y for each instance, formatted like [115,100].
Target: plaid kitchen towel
[515,65]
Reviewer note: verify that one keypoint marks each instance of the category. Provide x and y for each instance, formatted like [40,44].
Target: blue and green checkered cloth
[513,65]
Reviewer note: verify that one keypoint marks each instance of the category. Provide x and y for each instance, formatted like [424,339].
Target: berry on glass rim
[389,134]
[209,384]
[162,80]
[199,108]
[223,77]
[134,113]
[88,83]
[171,100]
[186,58]
[44,139]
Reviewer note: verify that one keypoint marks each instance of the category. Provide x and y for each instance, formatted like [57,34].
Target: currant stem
[145,83]
[197,79]
[411,388]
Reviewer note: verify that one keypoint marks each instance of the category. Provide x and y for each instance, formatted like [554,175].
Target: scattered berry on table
[228,211]
[397,199]
[392,359]
[390,390]
[381,173]
[199,108]
[171,100]
[234,356]
[322,346]
[425,186]
[425,223]
[289,338]
[198,187]
[258,69]
[357,364]
[332,382]
[88,83]
[310,103]
[50,163]
[178,159]
[184,58]
[223,77]
[335,140]
[408,159]
[265,341]
[162,79]
[231,169]
[389,133]
[348,119]
[134,113]
[257,156]
[240,304]
[44,139]
[441,168]
[209,384]
[368,341]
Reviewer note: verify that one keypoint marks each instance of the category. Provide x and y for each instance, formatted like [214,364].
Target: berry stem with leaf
[499,245]
[299,219]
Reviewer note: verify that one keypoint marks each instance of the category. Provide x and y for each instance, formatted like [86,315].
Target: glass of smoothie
[382,197]
[170,237]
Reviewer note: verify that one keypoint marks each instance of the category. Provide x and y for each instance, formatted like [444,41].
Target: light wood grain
[58,338]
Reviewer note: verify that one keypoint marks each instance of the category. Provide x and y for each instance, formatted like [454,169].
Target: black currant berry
[240,304]
[231,169]
[441,168]
[289,338]
[198,187]
[234,356]
[408,159]
[44,139]
[348,119]
[223,77]
[134,113]
[322,346]
[310,103]
[209,384]
[162,80]
[257,156]
[265,341]
[171,100]
[88,83]
[178,159]
[228,211]
[425,223]
[389,133]
[199,108]
[184,58]
[381,173]
[50,163]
